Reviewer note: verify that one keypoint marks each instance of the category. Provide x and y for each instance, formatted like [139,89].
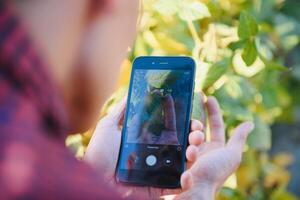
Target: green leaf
[272,65]
[276,66]
[193,11]
[260,138]
[237,45]
[248,26]
[215,71]
[249,53]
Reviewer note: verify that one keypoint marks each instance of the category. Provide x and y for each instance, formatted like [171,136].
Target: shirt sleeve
[41,168]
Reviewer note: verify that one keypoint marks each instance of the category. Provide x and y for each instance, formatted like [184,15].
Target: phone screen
[156,123]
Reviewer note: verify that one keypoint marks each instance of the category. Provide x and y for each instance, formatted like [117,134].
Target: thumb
[116,114]
[239,137]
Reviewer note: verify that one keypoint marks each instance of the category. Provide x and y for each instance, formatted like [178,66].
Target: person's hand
[103,150]
[214,161]
[208,164]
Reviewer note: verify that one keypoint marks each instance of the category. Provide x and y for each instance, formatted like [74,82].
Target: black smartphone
[156,124]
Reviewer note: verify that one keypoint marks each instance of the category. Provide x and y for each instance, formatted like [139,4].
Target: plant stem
[197,40]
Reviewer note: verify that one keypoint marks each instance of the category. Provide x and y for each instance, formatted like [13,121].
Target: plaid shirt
[34,163]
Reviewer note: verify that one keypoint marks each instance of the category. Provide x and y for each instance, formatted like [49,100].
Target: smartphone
[156,123]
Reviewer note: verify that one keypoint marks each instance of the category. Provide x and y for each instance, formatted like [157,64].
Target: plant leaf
[215,71]
[276,66]
[193,11]
[167,7]
[249,54]
[272,65]
[237,45]
[248,26]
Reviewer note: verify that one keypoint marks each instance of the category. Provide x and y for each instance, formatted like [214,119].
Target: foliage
[240,47]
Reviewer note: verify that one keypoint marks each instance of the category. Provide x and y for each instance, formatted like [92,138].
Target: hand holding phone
[103,150]
[205,173]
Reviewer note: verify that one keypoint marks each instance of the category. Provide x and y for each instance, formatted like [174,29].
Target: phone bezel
[148,63]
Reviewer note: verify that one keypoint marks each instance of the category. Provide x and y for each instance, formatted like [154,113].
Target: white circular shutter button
[151,160]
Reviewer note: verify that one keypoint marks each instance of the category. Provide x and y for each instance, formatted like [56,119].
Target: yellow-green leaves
[186,10]
[247,31]
[248,26]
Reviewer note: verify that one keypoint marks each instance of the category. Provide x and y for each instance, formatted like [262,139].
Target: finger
[169,110]
[196,138]
[239,137]
[196,125]
[191,153]
[215,121]
[186,180]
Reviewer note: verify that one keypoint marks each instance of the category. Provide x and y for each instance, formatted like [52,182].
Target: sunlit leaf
[193,11]
[248,26]
[167,7]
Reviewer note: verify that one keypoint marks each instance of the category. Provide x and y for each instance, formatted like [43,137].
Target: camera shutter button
[151,160]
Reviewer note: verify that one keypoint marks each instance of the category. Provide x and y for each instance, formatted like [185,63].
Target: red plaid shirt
[34,163]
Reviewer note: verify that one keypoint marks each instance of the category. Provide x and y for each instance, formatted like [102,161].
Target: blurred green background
[248,56]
